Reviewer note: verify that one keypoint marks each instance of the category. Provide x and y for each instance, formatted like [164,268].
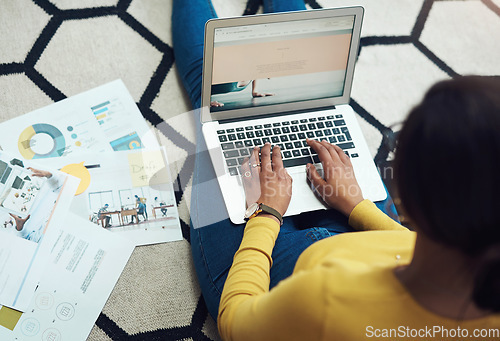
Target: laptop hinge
[285,113]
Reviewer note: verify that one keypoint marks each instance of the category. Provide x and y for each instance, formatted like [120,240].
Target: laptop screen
[276,63]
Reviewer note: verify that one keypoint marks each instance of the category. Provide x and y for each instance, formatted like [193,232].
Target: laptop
[282,78]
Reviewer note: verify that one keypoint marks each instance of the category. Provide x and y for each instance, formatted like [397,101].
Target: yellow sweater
[342,288]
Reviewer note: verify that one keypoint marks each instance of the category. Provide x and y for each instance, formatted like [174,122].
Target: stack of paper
[82,182]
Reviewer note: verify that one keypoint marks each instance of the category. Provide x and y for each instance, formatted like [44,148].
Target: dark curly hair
[447,171]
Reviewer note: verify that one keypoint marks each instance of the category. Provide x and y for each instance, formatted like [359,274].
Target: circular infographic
[27,141]
[65,311]
[78,170]
[44,301]
[30,327]
[134,144]
[51,334]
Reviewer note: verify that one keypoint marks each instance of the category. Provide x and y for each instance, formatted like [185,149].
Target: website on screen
[277,63]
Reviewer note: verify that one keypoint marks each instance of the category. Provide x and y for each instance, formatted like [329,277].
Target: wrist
[349,207]
[271,202]
[259,208]
[267,215]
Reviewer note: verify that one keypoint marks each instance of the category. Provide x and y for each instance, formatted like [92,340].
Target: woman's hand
[267,182]
[339,188]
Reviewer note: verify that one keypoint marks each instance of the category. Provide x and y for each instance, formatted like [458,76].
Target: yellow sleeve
[247,310]
[366,216]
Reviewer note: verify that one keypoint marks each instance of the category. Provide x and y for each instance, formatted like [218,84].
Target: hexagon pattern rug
[59,48]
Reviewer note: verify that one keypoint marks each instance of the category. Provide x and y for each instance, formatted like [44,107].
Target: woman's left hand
[267,181]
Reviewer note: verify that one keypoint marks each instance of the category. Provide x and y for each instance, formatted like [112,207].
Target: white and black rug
[54,49]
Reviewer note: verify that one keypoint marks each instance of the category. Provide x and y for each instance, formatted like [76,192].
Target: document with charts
[33,199]
[102,119]
[84,265]
[130,193]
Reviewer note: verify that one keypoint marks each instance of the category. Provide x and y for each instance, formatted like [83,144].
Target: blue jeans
[214,239]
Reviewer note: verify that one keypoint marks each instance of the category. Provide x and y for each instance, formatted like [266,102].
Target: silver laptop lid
[298,60]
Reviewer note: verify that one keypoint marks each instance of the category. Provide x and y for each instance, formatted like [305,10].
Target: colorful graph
[101,111]
[26,137]
[127,142]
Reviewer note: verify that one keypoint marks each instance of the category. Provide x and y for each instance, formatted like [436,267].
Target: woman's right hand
[339,188]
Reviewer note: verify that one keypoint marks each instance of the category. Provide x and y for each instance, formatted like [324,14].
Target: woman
[214,239]
[441,282]
[354,285]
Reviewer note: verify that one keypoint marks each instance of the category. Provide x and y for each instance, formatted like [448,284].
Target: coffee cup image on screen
[279,63]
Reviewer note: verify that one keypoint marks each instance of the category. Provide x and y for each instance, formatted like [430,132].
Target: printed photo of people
[28,197]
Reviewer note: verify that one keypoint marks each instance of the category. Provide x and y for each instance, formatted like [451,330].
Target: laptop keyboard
[238,143]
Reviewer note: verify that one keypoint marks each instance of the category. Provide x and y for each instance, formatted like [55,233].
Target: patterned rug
[59,48]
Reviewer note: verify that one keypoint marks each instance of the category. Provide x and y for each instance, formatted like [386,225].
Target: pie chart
[41,132]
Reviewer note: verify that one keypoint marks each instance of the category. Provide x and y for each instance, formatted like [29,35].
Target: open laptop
[283,78]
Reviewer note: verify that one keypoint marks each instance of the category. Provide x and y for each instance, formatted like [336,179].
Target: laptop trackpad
[303,197]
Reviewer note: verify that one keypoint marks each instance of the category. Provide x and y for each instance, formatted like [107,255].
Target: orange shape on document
[134,144]
[79,171]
